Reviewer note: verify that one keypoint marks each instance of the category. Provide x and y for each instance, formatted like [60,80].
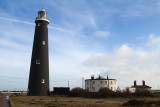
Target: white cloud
[153,41]
[16,20]
[140,10]
[127,64]
[91,19]
[29,23]
[102,33]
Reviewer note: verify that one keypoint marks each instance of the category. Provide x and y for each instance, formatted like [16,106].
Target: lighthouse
[38,84]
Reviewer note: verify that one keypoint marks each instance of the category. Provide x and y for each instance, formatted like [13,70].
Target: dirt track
[3,101]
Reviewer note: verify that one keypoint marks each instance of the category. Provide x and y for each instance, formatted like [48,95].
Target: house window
[93,88]
[42,81]
[39,24]
[93,82]
[37,61]
[101,82]
[111,82]
[87,88]
[43,42]
[87,83]
[105,82]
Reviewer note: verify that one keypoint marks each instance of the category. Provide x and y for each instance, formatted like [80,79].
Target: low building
[136,87]
[61,90]
[94,84]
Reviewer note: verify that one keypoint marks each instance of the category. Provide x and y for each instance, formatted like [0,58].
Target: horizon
[118,38]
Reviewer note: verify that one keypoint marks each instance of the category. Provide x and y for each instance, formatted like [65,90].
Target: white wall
[132,90]
[94,85]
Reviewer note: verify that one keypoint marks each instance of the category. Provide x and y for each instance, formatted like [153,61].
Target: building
[61,90]
[94,84]
[39,69]
[136,87]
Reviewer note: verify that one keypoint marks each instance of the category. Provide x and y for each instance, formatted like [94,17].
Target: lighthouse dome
[42,9]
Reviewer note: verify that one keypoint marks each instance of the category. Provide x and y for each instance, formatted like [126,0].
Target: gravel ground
[3,101]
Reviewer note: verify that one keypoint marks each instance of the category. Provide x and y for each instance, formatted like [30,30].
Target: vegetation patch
[134,103]
[59,101]
[142,103]
[64,101]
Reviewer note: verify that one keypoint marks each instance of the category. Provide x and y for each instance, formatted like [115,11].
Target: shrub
[120,94]
[141,103]
[105,92]
[142,93]
[134,103]
[77,92]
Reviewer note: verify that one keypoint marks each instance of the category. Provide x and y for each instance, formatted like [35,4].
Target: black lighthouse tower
[39,70]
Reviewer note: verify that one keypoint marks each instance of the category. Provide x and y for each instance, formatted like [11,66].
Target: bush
[141,103]
[102,93]
[134,103]
[105,92]
[142,93]
[77,92]
[120,94]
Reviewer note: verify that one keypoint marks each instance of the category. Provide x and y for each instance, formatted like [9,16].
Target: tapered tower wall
[39,69]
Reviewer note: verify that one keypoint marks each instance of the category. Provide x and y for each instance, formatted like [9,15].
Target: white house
[94,84]
[136,87]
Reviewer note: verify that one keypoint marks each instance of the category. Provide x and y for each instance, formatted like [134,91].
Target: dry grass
[50,101]
[57,101]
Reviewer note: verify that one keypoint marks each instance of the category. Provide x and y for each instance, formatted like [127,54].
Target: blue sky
[120,38]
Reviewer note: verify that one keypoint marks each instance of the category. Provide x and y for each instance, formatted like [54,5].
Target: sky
[118,38]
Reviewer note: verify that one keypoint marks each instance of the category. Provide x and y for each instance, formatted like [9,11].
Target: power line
[72,80]
[13,77]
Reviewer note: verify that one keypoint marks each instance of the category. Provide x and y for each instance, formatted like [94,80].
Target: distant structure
[61,90]
[39,70]
[14,92]
[94,84]
[136,87]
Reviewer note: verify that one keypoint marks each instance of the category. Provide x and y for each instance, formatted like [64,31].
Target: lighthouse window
[39,24]
[42,81]
[43,43]
[37,61]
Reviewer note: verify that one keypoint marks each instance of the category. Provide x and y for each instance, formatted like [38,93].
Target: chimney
[143,82]
[92,77]
[135,83]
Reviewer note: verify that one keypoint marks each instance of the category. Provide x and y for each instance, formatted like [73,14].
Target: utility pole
[82,82]
[68,83]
